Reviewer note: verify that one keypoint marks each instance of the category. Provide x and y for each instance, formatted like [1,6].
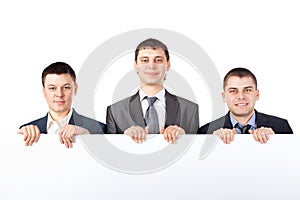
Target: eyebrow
[154,57]
[66,84]
[231,88]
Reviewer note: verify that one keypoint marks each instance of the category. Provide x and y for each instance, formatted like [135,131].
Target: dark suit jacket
[278,125]
[91,125]
[128,112]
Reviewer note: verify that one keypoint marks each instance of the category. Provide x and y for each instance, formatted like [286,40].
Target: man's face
[240,94]
[59,91]
[151,66]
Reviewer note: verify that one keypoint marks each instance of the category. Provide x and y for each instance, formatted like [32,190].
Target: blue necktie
[151,116]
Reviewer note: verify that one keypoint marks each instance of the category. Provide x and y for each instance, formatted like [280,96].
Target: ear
[223,97]
[257,94]
[135,66]
[44,92]
[168,65]
[75,88]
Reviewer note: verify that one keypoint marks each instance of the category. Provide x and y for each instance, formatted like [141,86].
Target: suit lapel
[173,114]
[227,122]
[172,110]
[261,120]
[42,124]
[135,110]
[75,119]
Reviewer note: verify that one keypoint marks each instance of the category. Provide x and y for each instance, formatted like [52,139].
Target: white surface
[241,170]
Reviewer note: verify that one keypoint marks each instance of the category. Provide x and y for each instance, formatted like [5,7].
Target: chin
[151,82]
[59,110]
[241,114]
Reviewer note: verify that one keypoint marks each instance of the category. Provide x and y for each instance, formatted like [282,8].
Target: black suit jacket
[279,125]
[128,112]
[91,125]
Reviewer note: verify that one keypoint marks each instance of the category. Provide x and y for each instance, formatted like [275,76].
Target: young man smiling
[241,93]
[59,88]
[152,109]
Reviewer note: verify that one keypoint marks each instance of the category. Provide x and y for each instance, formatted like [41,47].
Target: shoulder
[122,102]
[41,123]
[186,101]
[36,122]
[214,125]
[279,125]
[270,119]
[92,125]
[84,118]
[181,100]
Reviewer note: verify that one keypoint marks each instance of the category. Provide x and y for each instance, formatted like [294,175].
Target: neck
[58,116]
[151,89]
[243,119]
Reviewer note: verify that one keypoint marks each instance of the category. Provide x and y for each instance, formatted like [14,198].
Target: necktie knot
[244,129]
[151,100]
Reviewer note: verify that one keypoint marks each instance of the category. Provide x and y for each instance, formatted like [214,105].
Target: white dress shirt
[53,127]
[159,105]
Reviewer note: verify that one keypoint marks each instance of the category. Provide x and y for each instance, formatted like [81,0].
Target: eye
[248,90]
[144,60]
[158,60]
[67,88]
[232,91]
[51,88]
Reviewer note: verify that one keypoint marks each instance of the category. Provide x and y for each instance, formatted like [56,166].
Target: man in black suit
[59,87]
[173,116]
[240,93]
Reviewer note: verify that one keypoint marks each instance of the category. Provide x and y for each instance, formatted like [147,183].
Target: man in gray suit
[152,109]
[59,87]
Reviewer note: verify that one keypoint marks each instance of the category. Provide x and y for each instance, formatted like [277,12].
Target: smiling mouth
[151,73]
[241,104]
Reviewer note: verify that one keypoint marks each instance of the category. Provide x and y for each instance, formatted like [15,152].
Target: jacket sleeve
[194,124]
[111,126]
[287,128]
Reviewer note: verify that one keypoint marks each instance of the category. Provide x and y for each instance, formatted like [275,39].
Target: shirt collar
[62,122]
[160,95]
[251,121]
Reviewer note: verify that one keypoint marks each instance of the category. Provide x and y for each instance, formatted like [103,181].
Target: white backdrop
[260,35]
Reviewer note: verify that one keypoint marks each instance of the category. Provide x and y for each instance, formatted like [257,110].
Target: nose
[59,92]
[240,95]
[151,65]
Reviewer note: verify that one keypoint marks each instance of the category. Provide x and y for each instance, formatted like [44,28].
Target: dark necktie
[151,116]
[244,129]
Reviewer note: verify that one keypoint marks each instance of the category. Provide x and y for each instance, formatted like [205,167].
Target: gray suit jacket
[91,125]
[128,112]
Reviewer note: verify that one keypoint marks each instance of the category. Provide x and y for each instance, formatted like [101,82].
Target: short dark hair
[58,68]
[240,72]
[154,44]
